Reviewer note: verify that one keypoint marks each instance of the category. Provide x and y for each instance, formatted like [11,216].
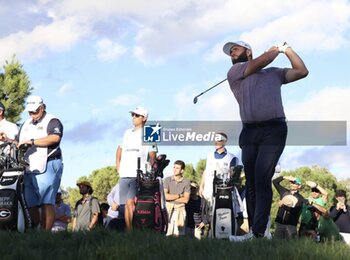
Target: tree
[102,181]
[191,174]
[201,167]
[14,88]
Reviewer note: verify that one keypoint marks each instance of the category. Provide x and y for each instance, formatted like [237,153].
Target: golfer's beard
[241,58]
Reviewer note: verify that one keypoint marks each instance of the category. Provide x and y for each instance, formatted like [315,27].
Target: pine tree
[14,88]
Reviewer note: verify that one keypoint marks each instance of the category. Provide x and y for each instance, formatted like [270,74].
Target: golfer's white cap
[33,102]
[227,47]
[140,111]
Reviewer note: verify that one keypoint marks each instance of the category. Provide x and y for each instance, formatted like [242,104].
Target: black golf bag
[150,211]
[225,204]
[14,214]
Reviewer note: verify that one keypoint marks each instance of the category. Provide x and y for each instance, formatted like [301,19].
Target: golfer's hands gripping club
[282,47]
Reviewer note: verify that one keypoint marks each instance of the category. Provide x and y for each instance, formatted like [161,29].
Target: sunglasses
[135,115]
[34,112]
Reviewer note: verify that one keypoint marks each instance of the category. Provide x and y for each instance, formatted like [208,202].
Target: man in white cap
[43,132]
[258,92]
[8,130]
[126,161]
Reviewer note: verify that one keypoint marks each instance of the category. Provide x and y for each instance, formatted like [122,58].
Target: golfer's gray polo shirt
[259,94]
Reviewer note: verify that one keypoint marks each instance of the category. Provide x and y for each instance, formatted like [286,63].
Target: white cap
[227,47]
[140,111]
[33,102]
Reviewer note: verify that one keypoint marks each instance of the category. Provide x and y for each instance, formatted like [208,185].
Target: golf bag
[150,211]
[14,214]
[226,204]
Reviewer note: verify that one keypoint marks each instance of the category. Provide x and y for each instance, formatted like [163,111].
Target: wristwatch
[32,140]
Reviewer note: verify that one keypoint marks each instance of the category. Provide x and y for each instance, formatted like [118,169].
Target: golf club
[195,100]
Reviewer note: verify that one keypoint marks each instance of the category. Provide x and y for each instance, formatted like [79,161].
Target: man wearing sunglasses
[43,132]
[126,161]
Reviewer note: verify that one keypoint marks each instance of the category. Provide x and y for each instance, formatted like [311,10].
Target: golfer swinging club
[258,92]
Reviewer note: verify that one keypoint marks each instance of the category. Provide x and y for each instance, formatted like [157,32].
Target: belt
[54,158]
[271,122]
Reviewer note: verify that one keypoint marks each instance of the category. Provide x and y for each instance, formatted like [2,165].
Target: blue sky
[93,61]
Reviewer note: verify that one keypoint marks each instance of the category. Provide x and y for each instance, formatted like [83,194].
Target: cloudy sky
[93,61]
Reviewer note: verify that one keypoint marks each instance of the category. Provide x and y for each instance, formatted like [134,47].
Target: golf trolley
[226,203]
[150,210]
[14,214]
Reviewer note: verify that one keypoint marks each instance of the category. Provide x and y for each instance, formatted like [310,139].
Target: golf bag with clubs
[14,214]
[150,211]
[226,204]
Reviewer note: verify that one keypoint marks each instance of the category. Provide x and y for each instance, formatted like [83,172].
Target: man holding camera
[289,207]
[340,213]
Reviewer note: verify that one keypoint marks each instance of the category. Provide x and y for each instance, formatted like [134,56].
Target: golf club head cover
[159,165]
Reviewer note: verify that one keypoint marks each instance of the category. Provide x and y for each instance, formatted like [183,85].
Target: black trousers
[262,145]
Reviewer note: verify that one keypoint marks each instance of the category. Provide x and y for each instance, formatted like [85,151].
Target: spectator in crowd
[308,222]
[87,209]
[63,214]
[289,209]
[177,191]
[126,161]
[115,215]
[326,229]
[340,213]
[104,207]
[193,213]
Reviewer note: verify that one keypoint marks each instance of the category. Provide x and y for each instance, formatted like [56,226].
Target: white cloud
[125,100]
[167,28]
[57,36]
[335,158]
[306,28]
[64,89]
[108,50]
[217,104]
[329,103]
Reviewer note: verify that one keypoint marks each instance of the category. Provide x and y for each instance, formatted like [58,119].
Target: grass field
[104,244]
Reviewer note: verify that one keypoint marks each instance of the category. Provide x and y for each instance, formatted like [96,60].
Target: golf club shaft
[212,87]
[196,97]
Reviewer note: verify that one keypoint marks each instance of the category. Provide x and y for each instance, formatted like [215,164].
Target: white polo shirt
[10,129]
[133,148]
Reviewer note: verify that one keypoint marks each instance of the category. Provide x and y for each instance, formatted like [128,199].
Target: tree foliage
[190,173]
[201,166]
[14,88]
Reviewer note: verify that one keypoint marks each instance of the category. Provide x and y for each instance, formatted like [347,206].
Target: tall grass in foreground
[104,244]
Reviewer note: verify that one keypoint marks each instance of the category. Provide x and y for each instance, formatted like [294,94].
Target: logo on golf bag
[5,213]
[152,133]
